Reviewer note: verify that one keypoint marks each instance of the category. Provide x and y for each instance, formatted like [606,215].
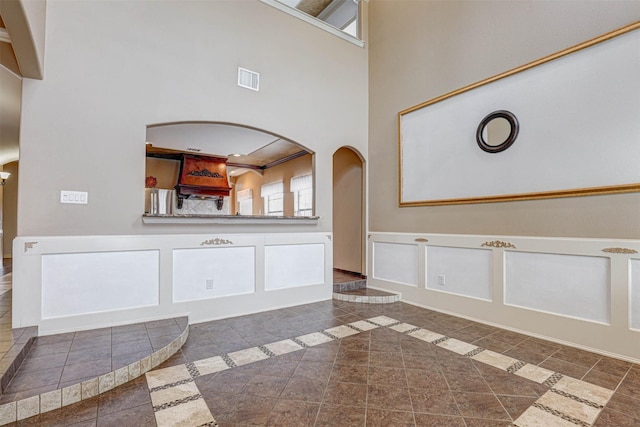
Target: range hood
[202,177]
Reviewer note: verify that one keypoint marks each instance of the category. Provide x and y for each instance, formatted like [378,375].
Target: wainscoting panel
[578,292]
[292,266]
[576,286]
[82,283]
[396,262]
[635,293]
[226,270]
[72,283]
[467,272]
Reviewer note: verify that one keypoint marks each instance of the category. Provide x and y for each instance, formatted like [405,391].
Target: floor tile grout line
[92,387]
[395,323]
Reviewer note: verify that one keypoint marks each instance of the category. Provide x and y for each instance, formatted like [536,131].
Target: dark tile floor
[375,378]
[58,361]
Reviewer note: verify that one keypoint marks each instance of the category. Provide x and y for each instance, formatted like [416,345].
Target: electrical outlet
[441,280]
[209,283]
[75,197]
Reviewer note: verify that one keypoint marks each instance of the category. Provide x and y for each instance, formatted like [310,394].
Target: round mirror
[497,131]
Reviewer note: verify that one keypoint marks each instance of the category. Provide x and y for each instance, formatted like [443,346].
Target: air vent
[248,79]
[195,150]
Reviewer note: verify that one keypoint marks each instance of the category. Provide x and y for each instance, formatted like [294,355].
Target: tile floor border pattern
[56,399]
[367,299]
[569,401]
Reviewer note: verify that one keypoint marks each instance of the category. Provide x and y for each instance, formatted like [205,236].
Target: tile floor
[395,365]
[58,361]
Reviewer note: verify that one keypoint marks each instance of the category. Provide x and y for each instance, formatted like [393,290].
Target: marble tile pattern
[568,401]
[336,363]
[40,385]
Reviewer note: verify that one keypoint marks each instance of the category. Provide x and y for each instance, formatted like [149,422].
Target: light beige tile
[121,375]
[494,359]
[50,401]
[315,338]
[341,331]
[106,382]
[457,346]
[569,407]
[534,417]
[283,347]
[166,376]
[8,413]
[534,373]
[426,335]
[134,370]
[403,327]
[364,326]
[211,365]
[145,365]
[174,393]
[189,414]
[159,357]
[590,392]
[71,394]
[383,320]
[28,407]
[249,355]
[90,388]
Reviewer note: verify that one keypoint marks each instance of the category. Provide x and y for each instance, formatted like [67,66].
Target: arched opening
[348,211]
[232,169]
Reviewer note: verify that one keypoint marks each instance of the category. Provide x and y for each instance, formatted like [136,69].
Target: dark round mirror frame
[515,127]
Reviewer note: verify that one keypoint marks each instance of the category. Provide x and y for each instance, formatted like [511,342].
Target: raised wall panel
[81,283]
[467,272]
[228,270]
[634,266]
[559,146]
[291,266]
[569,285]
[396,262]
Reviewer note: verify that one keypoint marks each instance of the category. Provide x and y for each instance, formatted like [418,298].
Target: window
[302,189]
[245,202]
[273,195]
[339,17]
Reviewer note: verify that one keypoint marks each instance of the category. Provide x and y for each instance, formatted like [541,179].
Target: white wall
[419,50]
[582,292]
[83,282]
[114,67]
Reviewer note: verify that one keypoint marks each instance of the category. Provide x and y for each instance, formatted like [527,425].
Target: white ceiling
[218,139]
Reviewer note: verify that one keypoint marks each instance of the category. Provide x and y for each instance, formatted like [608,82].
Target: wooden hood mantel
[202,176]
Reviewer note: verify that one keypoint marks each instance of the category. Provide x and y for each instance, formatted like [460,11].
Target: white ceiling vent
[248,79]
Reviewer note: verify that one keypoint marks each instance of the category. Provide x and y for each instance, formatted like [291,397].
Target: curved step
[367,296]
[45,402]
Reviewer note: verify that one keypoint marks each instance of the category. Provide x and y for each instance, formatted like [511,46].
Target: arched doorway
[348,211]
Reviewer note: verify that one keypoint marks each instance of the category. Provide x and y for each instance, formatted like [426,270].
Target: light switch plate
[76,197]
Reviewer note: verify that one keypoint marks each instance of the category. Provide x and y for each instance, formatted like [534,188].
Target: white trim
[314,21]
[4,35]
[229,219]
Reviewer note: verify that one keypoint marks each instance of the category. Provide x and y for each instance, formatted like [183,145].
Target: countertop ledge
[228,219]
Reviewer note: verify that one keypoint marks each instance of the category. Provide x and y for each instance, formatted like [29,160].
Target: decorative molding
[369,236]
[632,187]
[29,245]
[420,239]
[205,172]
[329,236]
[620,251]
[499,244]
[216,242]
